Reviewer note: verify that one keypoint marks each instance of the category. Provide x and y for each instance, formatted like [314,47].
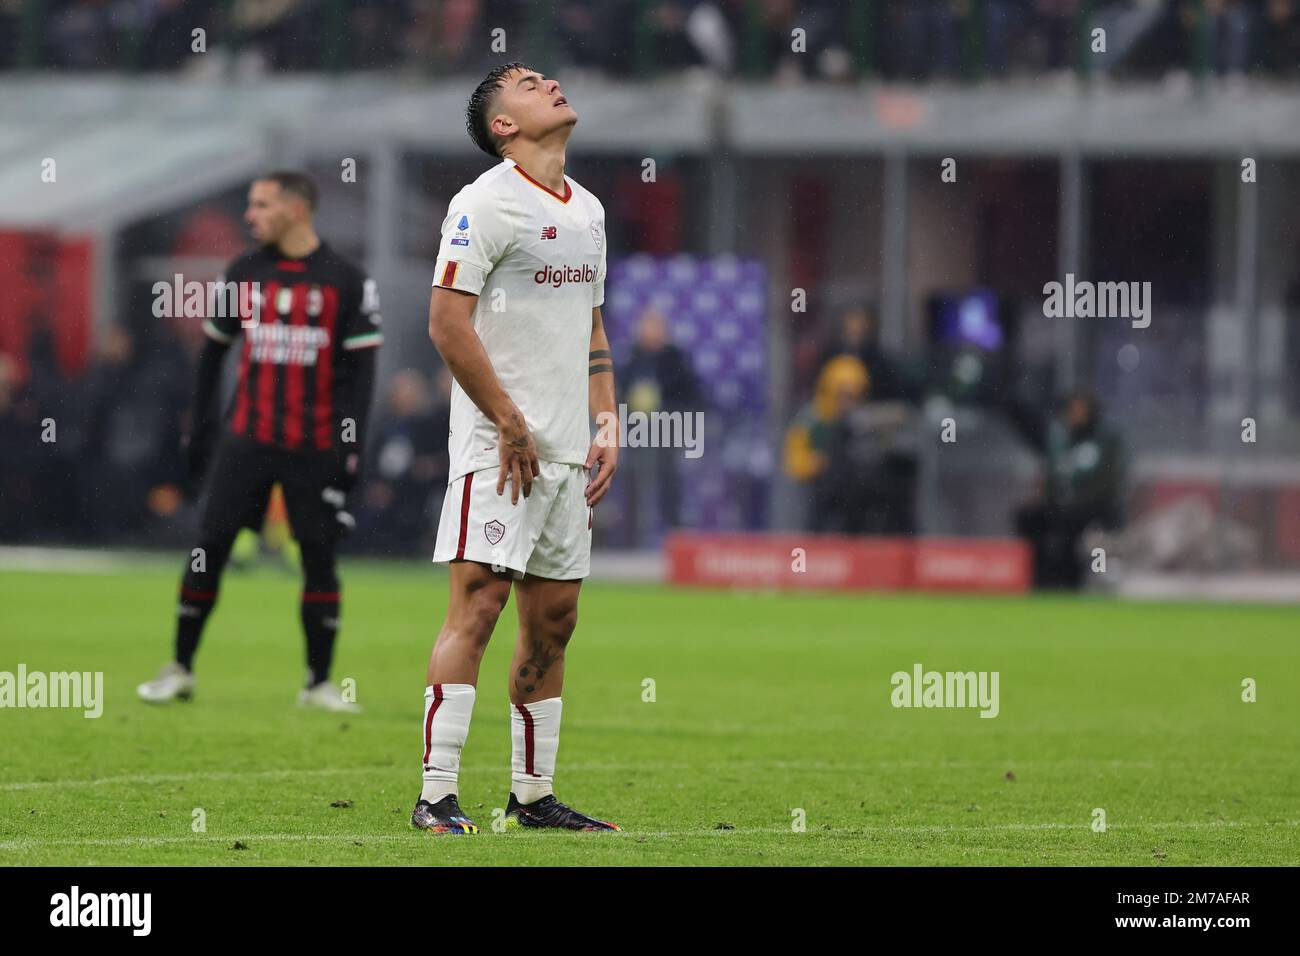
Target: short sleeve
[475,236]
[362,325]
[598,287]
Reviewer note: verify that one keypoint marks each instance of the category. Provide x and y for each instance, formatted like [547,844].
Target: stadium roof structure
[1139,121]
[127,147]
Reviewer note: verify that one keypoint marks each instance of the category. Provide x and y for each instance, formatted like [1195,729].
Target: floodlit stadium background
[766,167]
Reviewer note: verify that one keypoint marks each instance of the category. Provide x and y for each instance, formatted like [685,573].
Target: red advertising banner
[843,563]
[972,564]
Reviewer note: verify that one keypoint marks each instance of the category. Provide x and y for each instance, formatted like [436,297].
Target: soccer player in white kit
[515,313]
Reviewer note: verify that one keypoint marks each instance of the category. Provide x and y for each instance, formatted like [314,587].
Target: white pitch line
[253,838]
[955,828]
[312,772]
[796,765]
[182,777]
[248,838]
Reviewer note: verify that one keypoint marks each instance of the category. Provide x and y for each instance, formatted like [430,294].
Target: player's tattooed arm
[451,328]
[600,392]
[595,363]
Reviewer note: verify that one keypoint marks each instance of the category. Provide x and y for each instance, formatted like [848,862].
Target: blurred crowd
[96,457]
[894,39]
[93,455]
[854,449]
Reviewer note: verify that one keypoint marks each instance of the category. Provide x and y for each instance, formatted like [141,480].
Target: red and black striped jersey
[299,319]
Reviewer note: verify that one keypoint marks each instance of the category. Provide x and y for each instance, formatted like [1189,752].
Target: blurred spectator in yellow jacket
[815,441]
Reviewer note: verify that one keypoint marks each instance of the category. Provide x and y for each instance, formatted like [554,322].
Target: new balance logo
[548,232]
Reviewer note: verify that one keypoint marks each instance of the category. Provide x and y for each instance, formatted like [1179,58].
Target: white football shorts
[547,534]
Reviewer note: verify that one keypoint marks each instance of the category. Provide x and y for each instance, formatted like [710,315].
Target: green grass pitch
[765,705]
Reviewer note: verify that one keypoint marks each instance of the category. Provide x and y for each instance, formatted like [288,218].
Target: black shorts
[239,486]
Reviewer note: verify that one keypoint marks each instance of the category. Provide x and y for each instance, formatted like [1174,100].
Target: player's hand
[337,499]
[349,467]
[336,495]
[605,454]
[518,456]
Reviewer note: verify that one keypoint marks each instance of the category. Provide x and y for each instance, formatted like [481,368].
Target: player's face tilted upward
[531,105]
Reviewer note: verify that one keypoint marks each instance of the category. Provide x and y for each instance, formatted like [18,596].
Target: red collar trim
[568,190]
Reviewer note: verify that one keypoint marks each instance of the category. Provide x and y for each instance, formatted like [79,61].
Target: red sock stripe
[189,594]
[464,517]
[428,721]
[320,597]
[528,739]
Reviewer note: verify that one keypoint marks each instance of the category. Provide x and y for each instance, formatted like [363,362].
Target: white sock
[535,740]
[447,709]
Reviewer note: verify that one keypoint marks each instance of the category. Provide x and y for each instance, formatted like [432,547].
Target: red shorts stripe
[428,721]
[464,517]
[528,739]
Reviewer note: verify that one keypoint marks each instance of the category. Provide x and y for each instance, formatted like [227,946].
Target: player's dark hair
[296,182]
[476,111]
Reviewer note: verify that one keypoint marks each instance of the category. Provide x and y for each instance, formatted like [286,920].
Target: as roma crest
[494,530]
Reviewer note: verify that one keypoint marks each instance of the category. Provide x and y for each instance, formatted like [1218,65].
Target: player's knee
[483,607]
[560,623]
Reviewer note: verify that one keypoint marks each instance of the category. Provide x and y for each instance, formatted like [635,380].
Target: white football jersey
[536,261]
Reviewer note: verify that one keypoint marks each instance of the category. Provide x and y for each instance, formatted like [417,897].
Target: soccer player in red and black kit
[310,326]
